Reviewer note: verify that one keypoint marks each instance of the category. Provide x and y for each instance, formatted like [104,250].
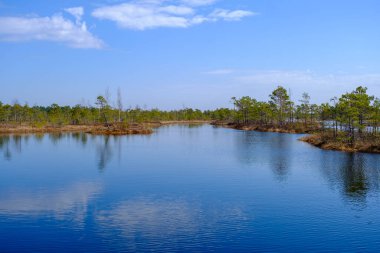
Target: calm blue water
[185,189]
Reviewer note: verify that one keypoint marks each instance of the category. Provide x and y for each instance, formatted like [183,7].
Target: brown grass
[328,143]
[111,129]
[114,129]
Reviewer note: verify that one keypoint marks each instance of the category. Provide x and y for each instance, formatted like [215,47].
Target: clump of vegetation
[279,114]
[120,129]
[349,123]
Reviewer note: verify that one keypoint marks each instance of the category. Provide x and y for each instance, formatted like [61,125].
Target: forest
[350,118]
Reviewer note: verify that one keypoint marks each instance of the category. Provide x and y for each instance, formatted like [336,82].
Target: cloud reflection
[167,222]
[70,202]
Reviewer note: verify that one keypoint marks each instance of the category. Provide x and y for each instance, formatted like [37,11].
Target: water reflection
[17,142]
[104,152]
[56,137]
[186,188]
[70,202]
[10,144]
[81,138]
[246,147]
[194,125]
[265,149]
[355,175]
[5,146]
[280,157]
[153,223]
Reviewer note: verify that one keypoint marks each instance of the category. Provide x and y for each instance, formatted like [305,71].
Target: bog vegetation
[352,120]
[353,117]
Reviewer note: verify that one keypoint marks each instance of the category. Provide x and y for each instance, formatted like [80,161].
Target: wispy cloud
[148,14]
[307,78]
[198,2]
[260,83]
[77,12]
[324,86]
[230,15]
[55,28]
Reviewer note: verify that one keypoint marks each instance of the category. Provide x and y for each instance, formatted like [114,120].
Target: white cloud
[176,10]
[55,28]
[148,14]
[140,16]
[231,15]
[77,12]
[198,2]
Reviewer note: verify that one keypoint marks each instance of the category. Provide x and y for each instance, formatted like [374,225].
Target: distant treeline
[355,113]
[55,115]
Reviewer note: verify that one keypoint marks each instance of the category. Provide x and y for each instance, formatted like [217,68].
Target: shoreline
[317,140]
[313,137]
[90,129]
[267,128]
[112,129]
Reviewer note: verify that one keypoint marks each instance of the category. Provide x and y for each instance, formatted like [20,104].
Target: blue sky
[194,53]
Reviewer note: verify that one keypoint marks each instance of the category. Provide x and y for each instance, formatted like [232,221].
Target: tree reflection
[246,147]
[4,146]
[265,149]
[355,174]
[355,183]
[10,144]
[80,137]
[17,143]
[104,152]
[55,137]
[38,137]
[279,159]
[194,125]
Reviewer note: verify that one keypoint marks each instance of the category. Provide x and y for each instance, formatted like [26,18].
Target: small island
[349,123]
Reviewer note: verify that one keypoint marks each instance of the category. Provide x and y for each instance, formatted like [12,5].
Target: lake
[185,188]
